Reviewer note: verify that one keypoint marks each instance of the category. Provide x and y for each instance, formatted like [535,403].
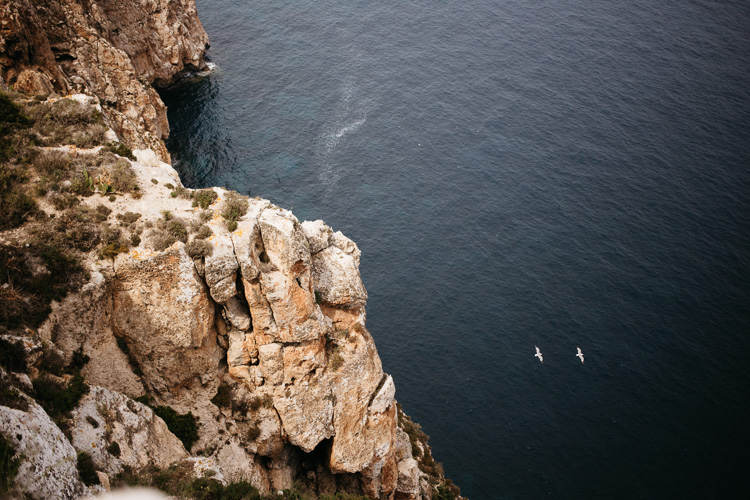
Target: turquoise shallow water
[560,174]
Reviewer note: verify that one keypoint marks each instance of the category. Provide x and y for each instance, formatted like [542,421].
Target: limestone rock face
[112,49]
[105,417]
[162,310]
[337,278]
[48,468]
[408,479]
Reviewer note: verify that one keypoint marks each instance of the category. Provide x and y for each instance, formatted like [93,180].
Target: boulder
[118,432]
[48,460]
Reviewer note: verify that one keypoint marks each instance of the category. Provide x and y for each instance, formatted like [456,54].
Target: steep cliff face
[273,314]
[225,307]
[112,49]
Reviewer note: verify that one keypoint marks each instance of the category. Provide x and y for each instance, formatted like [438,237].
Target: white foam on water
[349,116]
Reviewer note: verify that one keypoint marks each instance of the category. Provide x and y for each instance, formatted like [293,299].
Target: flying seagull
[538,354]
[580,354]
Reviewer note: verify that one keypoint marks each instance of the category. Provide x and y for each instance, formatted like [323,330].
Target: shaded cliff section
[115,50]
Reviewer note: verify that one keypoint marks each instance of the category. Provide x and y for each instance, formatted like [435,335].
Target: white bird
[580,354]
[538,354]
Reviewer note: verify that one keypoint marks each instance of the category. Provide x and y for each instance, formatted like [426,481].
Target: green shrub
[178,481]
[177,229]
[204,198]
[121,149]
[58,398]
[78,228]
[63,201]
[86,470]
[66,122]
[112,250]
[206,489]
[12,120]
[162,241]
[342,496]
[253,432]
[50,161]
[203,233]
[154,181]
[184,426]
[11,397]
[51,361]
[15,205]
[447,491]
[235,206]
[102,212]
[122,176]
[240,491]
[9,463]
[128,217]
[199,248]
[181,192]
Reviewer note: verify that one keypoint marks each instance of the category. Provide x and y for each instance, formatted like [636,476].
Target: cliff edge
[153,334]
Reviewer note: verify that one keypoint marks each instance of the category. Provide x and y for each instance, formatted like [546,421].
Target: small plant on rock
[235,206]
[204,198]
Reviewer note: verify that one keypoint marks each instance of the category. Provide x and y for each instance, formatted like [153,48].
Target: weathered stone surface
[237,354]
[346,245]
[237,314]
[384,396]
[306,414]
[221,266]
[408,479]
[247,241]
[336,277]
[163,311]
[402,445]
[48,468]
[104,417]
[318,235]
[82,320]
[359,437]
[271,363]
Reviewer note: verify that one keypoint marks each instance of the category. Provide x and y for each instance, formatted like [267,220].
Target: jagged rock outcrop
[284,324]
[112,49]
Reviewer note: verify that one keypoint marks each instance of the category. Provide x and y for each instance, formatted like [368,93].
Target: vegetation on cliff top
[42,262]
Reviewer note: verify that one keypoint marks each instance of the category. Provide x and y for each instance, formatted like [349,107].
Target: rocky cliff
[115,50]
[226,317]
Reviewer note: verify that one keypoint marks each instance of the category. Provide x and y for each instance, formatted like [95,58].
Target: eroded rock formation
[272,316]
[112,49]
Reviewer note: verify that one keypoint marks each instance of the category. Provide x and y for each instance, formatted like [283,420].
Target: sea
[558,174]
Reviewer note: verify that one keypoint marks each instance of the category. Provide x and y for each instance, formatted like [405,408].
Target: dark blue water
[517,173]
